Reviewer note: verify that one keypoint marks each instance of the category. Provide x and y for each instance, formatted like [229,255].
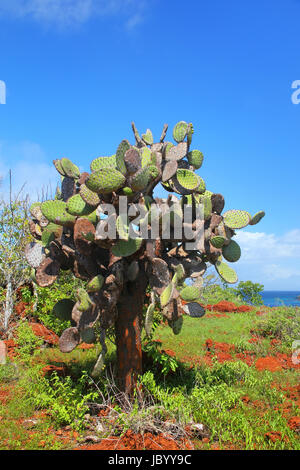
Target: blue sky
[78,72]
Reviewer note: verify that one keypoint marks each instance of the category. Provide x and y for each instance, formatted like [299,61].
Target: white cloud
[270,259]
[73,12]
[260,245]
[30,167]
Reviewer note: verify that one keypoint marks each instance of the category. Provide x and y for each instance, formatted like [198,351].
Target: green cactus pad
[71,170]
[176,325]
[226,272]
[190,293]
[195,158]
[63,309]
[167,295]
[217,241]
[95,284]
[88,335]
[105,181]
[122,226]
[120,153]
[149,319]
[180,131]
[127,191]
[257,218]
[187,179]
[236,219]
[153,171]
[127,248]
[58,166]
[146,156]
[148,137]
[232,251]
[93,217]
[140,179]
[78,207]
[167,146]
[51,232]
[201,186]
[90,197]
[84,300]
[56,212]
[103,162]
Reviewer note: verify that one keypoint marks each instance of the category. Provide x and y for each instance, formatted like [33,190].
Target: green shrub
[249,292]
[65,287]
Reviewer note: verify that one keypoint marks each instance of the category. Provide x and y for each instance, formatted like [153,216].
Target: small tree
[250,292]
[14,235]
[109,230]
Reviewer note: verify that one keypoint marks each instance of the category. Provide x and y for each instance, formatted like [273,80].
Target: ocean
[276,298]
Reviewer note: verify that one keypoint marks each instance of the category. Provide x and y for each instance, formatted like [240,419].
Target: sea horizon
[277,298]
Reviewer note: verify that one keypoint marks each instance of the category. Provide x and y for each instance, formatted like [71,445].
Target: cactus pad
[217,241]
[70,170]
[88,335]
[226,272]
[140,179]
[236,219]
[127,248]
[187,179]
[103,162]
[95,284]
[180,131]
[120,153]
[232,251]
[132,160]
[63,309]
[105,181]
[257,218]
[193,309]
[35,254]
[195,158]
[46,274]
[149,319]
[59,168]
[169,170]
[190,293]
[167,295]
[69,339]
[177,152]
[176,325]
[56,212]
[90,197]
[77,206]
[148,137]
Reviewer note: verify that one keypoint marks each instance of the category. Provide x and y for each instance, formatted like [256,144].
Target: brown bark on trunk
[128,334]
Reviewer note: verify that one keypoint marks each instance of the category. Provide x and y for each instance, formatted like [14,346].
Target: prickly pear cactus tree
[107,228]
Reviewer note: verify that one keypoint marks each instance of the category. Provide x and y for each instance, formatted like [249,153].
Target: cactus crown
[74,232]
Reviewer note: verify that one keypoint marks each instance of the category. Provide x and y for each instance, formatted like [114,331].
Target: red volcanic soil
[132,441]
[44,333]
[225,306]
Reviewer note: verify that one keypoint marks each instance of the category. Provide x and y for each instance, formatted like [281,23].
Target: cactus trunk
[128,335]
